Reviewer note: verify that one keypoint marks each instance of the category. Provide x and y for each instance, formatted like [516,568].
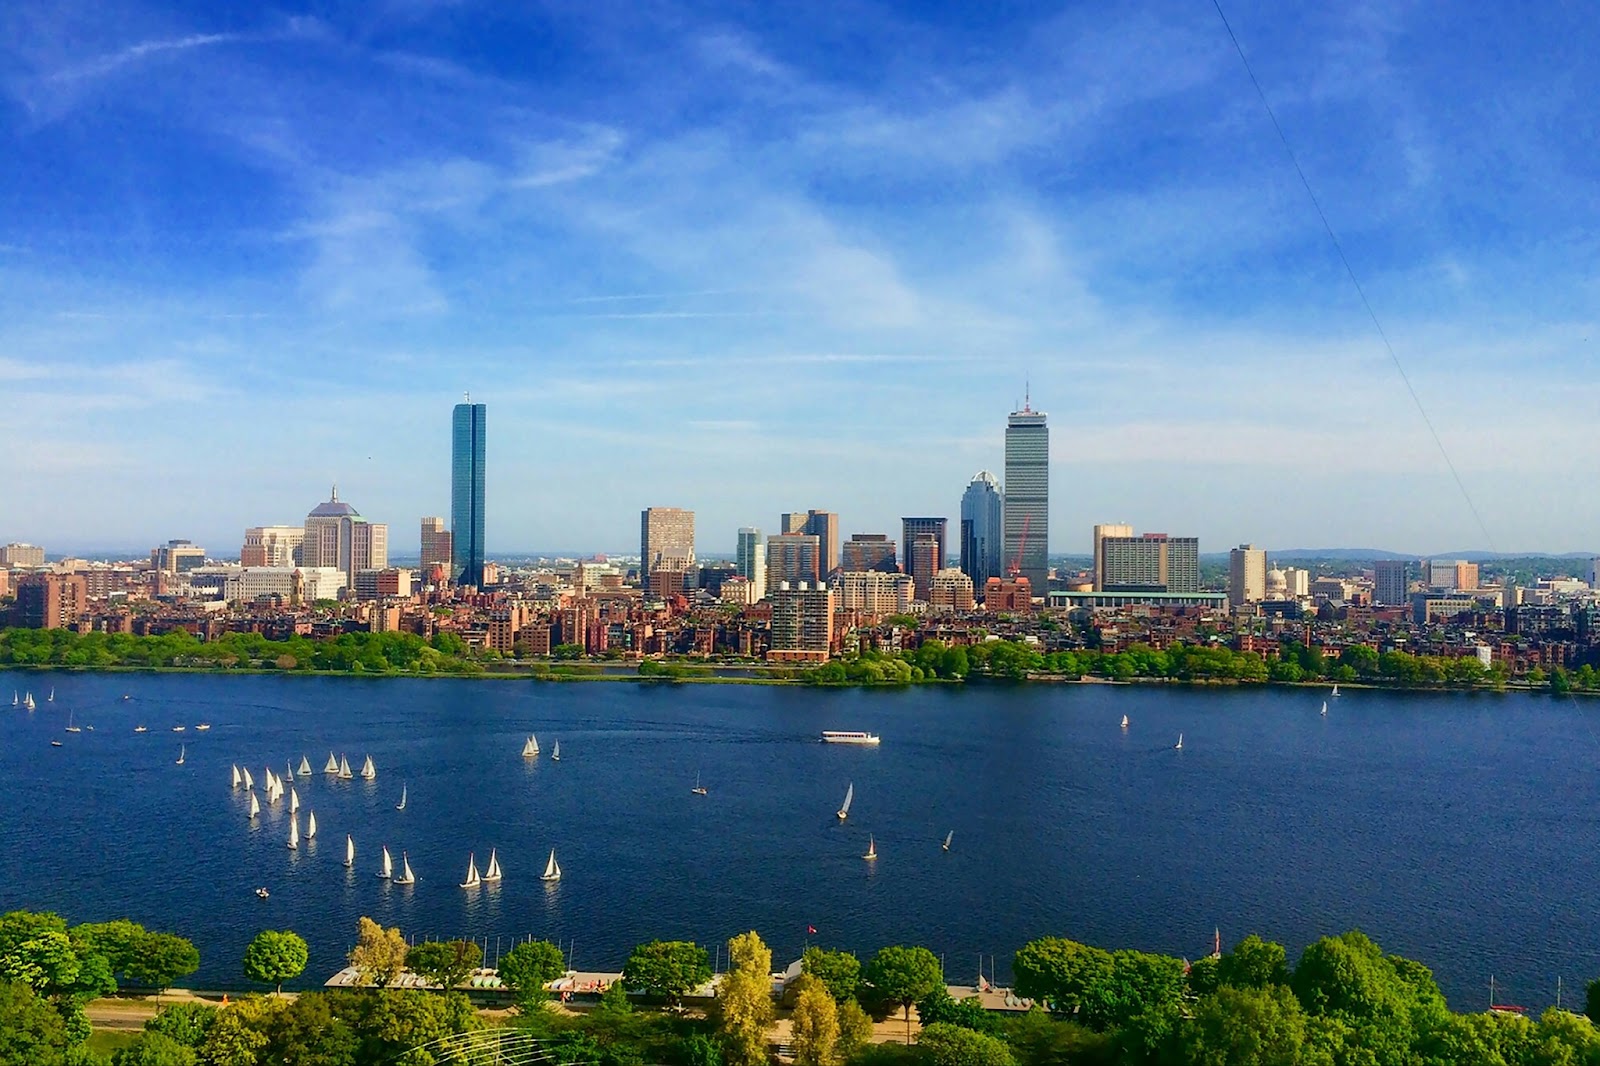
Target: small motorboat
[55,743]
[262,893]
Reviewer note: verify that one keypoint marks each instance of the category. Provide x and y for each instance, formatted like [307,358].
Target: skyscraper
[666,541]
[336,535]
[792,558]
[1247,575]
[750,560]
[924,563]
[468,428]
[1153,562]
[1101,532]
[436,549]
[869,551]
[1027,498]
[1391,582]
[824,525]
[982,528]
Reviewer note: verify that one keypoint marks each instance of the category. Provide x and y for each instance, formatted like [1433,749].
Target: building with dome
[337,536]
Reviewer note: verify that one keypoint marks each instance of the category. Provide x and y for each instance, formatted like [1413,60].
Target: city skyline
[204,197]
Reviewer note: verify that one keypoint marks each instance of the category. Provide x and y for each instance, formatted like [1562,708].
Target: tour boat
[262,893]
[236,776]
[552,869]
[947,838]
[530,749]
[140,729]
[255,806]
[344,769]
[872,849]
[55,743]
[294,832]
[849,736]
[179,728]
[406,876]
[331,766]
[70,727]
[844,808]
[180,754]
[202,727]
[368,771]
[698,789]
[492,874]
[349,850]
[1179,745]
[402,804]
[388,865]
[248,783]
[311,824]
[473,880]
[1124,721]
[555,752]
[305,767]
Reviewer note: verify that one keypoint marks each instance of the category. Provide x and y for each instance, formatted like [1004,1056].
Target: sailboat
[305,767]
[27,701]
[555,752]
[947,838]
[311,824]
[70,727]
[331,766]
[387,873]
[52,697]
[1335,690]
[530,749]
[698,789]
[872,849]
[248,783]
[1124,721]
[255,806]
[344,769]
[1324,708]
[844,808]
[402,804]
[552,869]
[289,767]
[180,754]
[294,832]
[236,775]
[349,850]
[492,874]
[14,700]
[406,876]
[473,880]
[1179,745]
[368,771]
[294,800]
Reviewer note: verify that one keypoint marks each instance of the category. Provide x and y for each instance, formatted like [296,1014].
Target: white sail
[533,742]
[52,697]
[529,749]
[249,782]
[493,872]
[1335,689]
[949,837]
[402,804]
[181,751]
[368,771]
[294,800]
[1179,744]
[388,864]
[555,752]
[305,767]
[1124,721]
[294,831]
[406,876]
[1324,708]
[311,824]
[349,850]
[331,766]
[344,769]
[872,849]
[473,880]
[844,808]
[552,869]
[288,768]
[236,776]
[255,805]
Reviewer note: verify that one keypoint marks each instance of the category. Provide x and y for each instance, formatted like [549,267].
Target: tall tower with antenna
[1026,518]
[468,430]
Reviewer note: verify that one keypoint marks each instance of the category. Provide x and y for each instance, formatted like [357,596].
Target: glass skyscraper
[982,525]
[1027,498]
[468,429]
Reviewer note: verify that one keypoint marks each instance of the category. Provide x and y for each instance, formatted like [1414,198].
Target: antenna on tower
[466,397]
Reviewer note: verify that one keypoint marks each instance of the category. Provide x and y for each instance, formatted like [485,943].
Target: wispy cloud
[100,66]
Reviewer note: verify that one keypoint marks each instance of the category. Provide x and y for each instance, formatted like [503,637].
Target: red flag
[811,930]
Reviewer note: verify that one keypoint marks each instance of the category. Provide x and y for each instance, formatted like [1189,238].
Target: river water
[1458,829]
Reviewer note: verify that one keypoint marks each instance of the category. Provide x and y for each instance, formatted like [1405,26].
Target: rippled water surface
[1458,829]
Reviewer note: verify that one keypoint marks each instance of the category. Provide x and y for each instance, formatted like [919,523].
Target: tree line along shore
[932,661]
[1345,1002]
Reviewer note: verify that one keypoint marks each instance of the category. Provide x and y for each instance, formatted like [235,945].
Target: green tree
[1591,1001]
[187,1023]
[902,975]
[528,967]
[118,941]
[446,963]
[855,1030]
[667,968]
[393,1021]
[1245,1026]
[238,1034]
[814,1023]
[943,1044]
[698,1050]
[311,1031]
[744,1010]
[1254,963]
[159,959]
[839,971]
[31,1031]
[379,954]
[1060,972]
[154,1049]
[274,957]
[968,1013]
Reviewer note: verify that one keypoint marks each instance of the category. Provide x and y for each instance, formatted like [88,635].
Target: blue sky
[753,258]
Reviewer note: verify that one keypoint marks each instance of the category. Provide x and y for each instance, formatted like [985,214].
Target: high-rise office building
[792,558]
[275,546]
[437,549]
[982,528]
[1101,532]
[177,557]
[923,564]
[1391,582]
[750,560]
[666,541]
[1027,498]
[869,551]
[337,536]
[1247,575]
[1153,562]
[21,555]
[824,525]
[468,429]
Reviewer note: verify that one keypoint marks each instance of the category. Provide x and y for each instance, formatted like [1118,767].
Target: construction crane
[1022,545]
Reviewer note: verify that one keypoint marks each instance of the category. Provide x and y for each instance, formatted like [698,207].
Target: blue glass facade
[982,529]
[468,429]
